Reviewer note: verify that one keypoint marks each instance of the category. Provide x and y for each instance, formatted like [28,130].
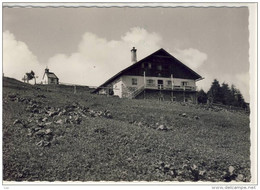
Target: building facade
[159,76]
[49,77]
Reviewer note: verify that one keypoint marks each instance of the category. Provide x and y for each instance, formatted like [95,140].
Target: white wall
[117,88]
[45,79]
[127,80]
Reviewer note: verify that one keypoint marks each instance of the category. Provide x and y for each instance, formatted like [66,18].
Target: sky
[87,46]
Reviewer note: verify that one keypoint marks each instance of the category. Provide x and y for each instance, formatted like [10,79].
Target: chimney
[46,70]
[133,55]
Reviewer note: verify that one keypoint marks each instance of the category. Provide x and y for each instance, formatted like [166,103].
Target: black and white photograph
[154,93]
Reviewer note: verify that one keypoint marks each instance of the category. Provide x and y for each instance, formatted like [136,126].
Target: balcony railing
[169,87]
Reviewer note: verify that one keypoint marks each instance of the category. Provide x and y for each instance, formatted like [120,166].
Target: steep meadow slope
[53,134]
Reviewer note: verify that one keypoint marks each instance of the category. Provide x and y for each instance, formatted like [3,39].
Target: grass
[126,147]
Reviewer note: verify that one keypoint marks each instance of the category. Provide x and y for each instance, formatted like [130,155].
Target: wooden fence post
[75,90]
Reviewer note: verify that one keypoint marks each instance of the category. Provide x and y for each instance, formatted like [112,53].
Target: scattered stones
[101,130]
[129,159]
[45,119]
[43,143]
[78,120]
[40,133]
[53,113]
[35,110]
[17,121]
[48,123]
[74,113]
[140,124]
[166,168]
[48,137]
[240,177]
[202,172]
[162,128]
[41,96]
[29,134]
[196,117]
[184,115]
[107,114]
[231,170]
[181,173]
[12,96]
[92,113]
[59,122]
[20,123]
[37,129]
[229,175]
[66,120]
[42,125]
[48,131]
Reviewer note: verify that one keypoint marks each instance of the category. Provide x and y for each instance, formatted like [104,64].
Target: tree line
[222,94]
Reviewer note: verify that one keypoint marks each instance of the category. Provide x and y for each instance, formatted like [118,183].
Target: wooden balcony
[170,87]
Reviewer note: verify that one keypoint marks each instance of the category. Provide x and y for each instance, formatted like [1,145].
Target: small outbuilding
[49,77]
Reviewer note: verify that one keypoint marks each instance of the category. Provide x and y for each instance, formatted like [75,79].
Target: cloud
[195,59]
[17,58]
[98,59]
[141,36]
[191,57]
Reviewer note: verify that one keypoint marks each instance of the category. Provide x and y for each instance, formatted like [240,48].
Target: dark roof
[197,76]
[50,75]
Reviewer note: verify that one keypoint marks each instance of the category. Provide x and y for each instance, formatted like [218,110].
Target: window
[184,83]
[159,67]
[52,80]
[147,65]
[134,81]
[169,82]
[160,84]
[150,81]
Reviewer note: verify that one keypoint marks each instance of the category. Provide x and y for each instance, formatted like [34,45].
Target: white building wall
[127,81]
[117,88]
[45,79]
[123,86]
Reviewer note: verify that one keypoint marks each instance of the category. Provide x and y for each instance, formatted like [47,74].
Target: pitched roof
[158,59]
[50,75]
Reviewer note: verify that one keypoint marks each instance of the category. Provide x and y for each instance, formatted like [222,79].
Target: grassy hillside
[57,135]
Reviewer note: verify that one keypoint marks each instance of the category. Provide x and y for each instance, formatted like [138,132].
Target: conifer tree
[226,94]
[202,97]
[214,92]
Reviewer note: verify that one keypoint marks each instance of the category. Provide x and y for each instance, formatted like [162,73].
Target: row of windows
[149,66]
[152,82]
